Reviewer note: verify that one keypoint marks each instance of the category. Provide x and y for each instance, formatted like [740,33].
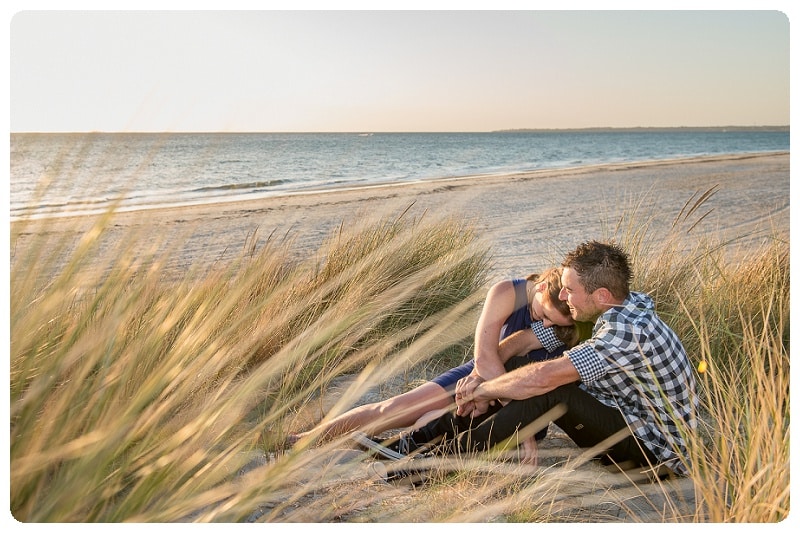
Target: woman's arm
[517,344]
[499,304]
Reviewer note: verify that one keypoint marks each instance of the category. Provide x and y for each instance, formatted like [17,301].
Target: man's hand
[474,408]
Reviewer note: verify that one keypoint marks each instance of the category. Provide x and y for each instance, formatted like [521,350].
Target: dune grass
[730,306]
[145,397]
[132,396]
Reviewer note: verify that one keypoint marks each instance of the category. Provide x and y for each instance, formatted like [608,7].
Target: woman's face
[542,309]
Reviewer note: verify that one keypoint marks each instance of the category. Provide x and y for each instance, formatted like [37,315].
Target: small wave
[69,204]
[238,186]
[38,207]
[46,210]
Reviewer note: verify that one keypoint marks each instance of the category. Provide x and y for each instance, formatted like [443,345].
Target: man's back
[636,363]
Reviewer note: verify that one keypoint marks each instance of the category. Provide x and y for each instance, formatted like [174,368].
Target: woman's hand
[464,390]
[467,385]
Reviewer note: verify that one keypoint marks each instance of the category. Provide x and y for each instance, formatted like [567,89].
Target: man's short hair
[599,265]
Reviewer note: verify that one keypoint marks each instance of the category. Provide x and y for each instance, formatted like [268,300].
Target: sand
[528,219]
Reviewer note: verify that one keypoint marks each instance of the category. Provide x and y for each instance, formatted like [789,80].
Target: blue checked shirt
[636,363]
[547,336]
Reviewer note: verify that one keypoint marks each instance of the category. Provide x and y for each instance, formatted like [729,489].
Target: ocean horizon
[57,174]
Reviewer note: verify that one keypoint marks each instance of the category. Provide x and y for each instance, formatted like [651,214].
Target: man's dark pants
[587,421]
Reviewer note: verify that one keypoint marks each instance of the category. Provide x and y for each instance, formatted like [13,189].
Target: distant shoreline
[649,129]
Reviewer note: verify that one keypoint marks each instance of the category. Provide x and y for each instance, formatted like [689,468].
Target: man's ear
[603,296]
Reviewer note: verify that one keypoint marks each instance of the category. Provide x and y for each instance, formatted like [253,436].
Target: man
[629,389]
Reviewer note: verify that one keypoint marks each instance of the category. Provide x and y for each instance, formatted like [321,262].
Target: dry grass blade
[692,205]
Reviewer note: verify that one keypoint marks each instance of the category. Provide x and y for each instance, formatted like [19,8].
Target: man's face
[582,304]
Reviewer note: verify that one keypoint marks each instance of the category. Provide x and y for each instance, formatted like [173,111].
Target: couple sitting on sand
[628,387]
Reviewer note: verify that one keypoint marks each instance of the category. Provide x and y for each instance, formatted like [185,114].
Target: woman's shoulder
[509,284]
[505,288]
[510,293]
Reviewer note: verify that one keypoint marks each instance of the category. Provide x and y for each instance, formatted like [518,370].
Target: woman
[528,305]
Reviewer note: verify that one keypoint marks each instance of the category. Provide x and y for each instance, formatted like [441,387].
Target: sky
[406,70]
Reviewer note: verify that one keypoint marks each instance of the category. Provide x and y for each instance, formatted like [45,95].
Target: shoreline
[355,187]
[529,219]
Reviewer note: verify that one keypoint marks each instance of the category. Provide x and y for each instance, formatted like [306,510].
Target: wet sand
[528,219]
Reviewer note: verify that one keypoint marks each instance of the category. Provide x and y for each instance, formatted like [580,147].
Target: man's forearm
[528,381]
[510,386]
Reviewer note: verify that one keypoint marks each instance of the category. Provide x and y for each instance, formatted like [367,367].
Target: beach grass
[730,306]
[133,395]
[141,396]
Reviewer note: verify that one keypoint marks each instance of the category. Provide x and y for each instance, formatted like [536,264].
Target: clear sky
[471,70]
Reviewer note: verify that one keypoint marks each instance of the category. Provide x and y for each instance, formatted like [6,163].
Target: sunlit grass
[139,395]
[138,398]
[730,306]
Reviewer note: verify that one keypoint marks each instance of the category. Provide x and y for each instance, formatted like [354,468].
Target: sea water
[55,174]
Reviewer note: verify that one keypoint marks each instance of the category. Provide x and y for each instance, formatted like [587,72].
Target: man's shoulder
[634,307]
[635,315]
[640,300]
[638,317]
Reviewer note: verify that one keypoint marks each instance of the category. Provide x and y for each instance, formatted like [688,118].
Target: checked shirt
[636,363]
[546,336]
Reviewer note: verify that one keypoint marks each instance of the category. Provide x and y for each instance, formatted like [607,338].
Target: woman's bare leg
[429,416]
[395,412]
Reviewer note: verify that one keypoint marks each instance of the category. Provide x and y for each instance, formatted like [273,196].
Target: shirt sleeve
[546,336]
[587,362]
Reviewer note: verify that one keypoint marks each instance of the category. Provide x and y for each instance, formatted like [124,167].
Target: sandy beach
[528,220]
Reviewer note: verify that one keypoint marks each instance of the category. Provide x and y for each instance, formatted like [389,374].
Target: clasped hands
[466,403]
